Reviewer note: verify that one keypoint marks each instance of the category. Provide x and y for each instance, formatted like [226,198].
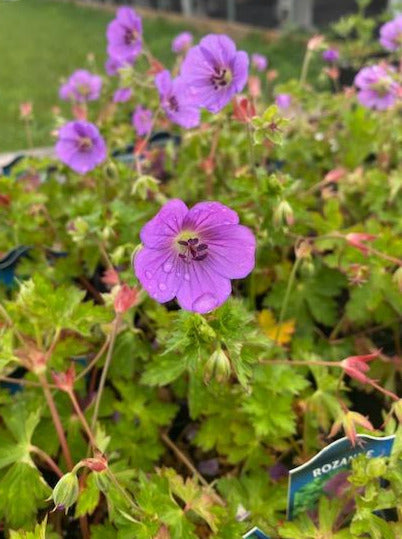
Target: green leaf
[88,498]
[22,493]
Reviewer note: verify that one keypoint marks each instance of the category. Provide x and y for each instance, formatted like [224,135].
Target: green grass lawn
[42,41]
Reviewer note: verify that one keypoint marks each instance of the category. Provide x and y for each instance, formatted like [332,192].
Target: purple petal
[231,250]
[159,272]
[160,231]
[205,215]
[202,290]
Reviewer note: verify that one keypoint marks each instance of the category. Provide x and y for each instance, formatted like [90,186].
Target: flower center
[191,249]
[173,104]
[84,143]
[130,36]
[381,87]
[84,89]
[221,78]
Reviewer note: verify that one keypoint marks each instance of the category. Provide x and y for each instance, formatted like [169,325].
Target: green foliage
[161,423]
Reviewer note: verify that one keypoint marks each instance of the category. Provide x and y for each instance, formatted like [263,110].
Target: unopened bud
[65,493]
[284,214]
[303,250]
[217,367]
[96,464]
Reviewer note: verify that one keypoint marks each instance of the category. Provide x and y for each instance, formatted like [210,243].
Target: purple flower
[82,86]
[283,101]
[377,89]
[193,254]
[142,121]
[182,42]
[122,95]
[391,34]
[80,146]
[330,55]
[124,35]
[177,100]
[215,70]
[259,61]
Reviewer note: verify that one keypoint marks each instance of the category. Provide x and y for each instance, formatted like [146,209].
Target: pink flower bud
[356,239]
[126,298]
[335,175]
[254,86]
[26,110]
[110,277]
[356,366]
[96,464]
[315,42]
[65,380]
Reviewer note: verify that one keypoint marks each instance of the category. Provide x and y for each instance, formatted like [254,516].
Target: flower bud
[126,298]
[65,493]
[284,214]
[217,367]
[96,464]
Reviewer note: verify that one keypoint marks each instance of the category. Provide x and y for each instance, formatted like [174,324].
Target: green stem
[56,420]
[304,71]
[106,366]
[284,306]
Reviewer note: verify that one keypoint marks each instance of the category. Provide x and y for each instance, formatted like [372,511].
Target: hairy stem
[56,420]
[46,458]
[106,366]
[82,418]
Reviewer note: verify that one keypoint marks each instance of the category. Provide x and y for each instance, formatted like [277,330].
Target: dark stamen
[200,257]
[192,250]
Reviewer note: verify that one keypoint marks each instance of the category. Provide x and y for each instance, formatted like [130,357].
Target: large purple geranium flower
[193,254]
[124,35]
[80,146]
[215,70]
[377,88]
[177,100]
[82,86]
[391,34]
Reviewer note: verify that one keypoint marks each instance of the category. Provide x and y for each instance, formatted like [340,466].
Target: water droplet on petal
[205,303]
[162,286]
[148,275]
[167,266]
[187,276]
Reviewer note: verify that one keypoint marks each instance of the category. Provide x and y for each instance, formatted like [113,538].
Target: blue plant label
[309,481]
[255,533]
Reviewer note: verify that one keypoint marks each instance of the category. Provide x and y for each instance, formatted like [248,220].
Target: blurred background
[43,41]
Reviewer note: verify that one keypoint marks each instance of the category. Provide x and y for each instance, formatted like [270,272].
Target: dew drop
[205,303]
[148,275]
[162,286]
[187,276]
[167,267]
